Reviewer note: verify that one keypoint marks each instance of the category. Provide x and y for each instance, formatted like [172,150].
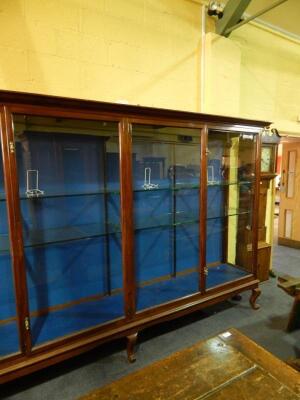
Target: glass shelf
[69,234]
[228,183]
[164,222]
[40,237]
[175,188]
[178,187]
[60,195]
[230,213]
[107,191]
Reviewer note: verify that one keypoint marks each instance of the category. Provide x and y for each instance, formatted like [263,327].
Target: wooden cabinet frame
[31,359]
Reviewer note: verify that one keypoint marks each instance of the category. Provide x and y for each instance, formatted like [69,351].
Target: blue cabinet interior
[166,251]
[218,212]
[71,233]
[167,217]
[72,238]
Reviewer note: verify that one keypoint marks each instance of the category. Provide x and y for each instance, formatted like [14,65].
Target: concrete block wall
[269,77]
[222,76]
[143,51]
[255,73]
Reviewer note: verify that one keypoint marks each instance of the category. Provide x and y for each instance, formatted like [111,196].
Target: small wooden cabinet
[244,246]
[115,218]
[270,140]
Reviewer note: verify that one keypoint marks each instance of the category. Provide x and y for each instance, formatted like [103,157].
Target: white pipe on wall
[202,61]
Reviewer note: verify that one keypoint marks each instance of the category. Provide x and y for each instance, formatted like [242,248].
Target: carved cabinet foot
[255,293]
[131,342]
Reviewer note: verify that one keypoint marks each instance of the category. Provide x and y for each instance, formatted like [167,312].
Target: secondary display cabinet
[115,218]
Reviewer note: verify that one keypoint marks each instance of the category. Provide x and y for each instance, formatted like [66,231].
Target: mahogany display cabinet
[114,218]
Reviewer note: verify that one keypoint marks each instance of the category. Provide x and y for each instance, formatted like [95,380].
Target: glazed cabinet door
[69,193]
[10,336]
[231,184]
[166,182]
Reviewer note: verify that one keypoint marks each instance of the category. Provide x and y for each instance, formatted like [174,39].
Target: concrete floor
[78,376]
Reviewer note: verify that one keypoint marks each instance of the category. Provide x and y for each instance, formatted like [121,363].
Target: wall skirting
[289,242]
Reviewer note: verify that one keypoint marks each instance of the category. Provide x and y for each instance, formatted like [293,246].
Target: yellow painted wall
[222,76]
[269,77]
[144,51]
[254,73]
[148,52]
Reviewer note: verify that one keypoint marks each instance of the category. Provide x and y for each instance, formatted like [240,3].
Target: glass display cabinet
[115,218]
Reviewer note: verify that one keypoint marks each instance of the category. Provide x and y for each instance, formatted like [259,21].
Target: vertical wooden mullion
[15,229]
[174,207]
[106,222]
[127,223]
[256,205]
[203,209]
[226,190]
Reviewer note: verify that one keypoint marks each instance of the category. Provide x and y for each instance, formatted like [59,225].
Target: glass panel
[231,179]
[69,190]
[9,335]
[166,174]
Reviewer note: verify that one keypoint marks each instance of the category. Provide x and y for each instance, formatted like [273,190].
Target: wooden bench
[291,286]
[227,366]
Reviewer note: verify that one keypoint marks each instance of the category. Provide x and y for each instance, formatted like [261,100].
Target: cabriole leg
[255,293]
[131,342]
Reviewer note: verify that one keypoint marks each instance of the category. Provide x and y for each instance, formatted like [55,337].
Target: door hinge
[27,324]
[12,147]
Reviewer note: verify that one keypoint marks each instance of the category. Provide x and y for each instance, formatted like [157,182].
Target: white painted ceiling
[286,16]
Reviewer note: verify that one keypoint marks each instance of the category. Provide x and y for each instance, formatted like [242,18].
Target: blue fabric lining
[87,315]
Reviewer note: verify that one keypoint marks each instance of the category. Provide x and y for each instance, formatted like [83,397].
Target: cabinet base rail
[21,365]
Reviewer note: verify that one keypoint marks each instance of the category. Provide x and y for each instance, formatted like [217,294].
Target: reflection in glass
[166,174]
[69,189]
[231,179]
[9,336]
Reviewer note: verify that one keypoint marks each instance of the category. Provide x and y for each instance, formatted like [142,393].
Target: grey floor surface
[76,377]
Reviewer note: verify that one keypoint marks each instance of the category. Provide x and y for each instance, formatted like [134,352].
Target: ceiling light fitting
[215,8]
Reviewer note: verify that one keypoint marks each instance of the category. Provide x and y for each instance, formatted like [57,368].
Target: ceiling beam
[232,15]
[252,17]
